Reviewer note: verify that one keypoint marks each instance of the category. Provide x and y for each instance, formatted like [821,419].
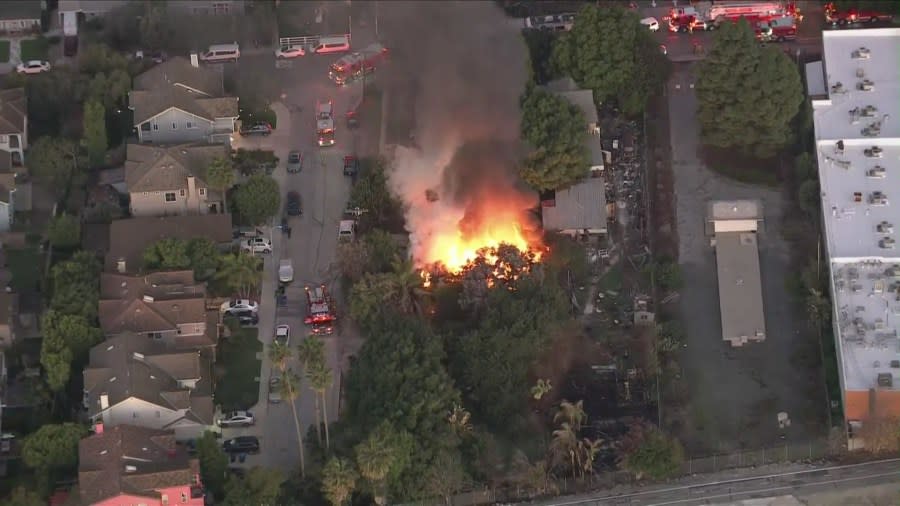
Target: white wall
[164,133]
[6,217]
[138,412]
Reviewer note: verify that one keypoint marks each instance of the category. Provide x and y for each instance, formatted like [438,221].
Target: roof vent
[112,379]
[862,53]
[868,111]
[876,172]
[175,307]
[873,152]
[887,243]
[104,452]
[138,356]
[865,85]
[130,469]
[885,227]
[885,379]
[878,198]
[839,147]
[838,88]
[148,298]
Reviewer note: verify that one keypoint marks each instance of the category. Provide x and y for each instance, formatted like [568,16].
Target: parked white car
[237,419]
[33,67]
[257,245]
[285,52]
[286,270]
[283,335]
[651,23]
[238,306]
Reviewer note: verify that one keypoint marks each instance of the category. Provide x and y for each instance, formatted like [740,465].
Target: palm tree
[407,285]
[588,449]
[220,176]
[459,420]
[572,414]
[240,272]
[290,389]
[541,388]
[311,353]
[279,355]
[564,447]
[320,380]
[338,481]
[374,458]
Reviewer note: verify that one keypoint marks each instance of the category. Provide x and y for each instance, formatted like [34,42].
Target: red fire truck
[319,310]
[357,65]
[778,29]
[325,123]
[709,15]
[834,16]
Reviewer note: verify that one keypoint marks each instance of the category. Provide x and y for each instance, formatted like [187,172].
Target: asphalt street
[312,245]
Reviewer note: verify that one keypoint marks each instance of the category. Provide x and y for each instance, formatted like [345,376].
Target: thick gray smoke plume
[457,72]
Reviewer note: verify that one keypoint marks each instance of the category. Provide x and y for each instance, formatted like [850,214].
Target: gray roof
[815,79]
[20,9]
[91,6]
[131,365]
[13,110]
[580,206]
[740,287]
[176,83]
[152,168]
[584,101]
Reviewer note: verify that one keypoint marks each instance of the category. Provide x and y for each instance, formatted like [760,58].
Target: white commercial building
[857,127]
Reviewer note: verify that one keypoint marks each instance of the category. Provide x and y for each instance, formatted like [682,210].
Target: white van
[332,45]
[221,53]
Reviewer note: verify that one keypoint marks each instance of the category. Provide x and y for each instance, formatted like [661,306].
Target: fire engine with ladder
[319,310]
[711,15]
[358,65]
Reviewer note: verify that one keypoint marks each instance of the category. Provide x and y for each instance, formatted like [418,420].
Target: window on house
[170,197]
[182,193]
[145,127]
[164,499]
[3,139]
[134,414]
[13,141]
[184,497]
[202,191]
[156,126]
[190,124]
[174,126]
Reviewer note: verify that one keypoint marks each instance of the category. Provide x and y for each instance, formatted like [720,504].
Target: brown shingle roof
[166,285]
[130,237]
[156,463]
[145,315]
[176,83]
[13,110]
[152,168]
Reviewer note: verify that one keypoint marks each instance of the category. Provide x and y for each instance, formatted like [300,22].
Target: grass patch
[35,49]
[612,280]
[25,266]
[4,51]
[237,386]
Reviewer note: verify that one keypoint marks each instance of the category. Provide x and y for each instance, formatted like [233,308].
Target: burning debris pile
[462,196]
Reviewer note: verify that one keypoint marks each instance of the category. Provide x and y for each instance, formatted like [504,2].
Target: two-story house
[17,16]
[177,102]
[128,465]
[13,127]
[167,181]
[134,380]
[166,306]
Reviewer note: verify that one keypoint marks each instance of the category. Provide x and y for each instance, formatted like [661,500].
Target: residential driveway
[313,241]
[736,393]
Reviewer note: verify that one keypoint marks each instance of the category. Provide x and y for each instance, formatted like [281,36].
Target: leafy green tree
[259,486]
[747,95]
[220,176]
[53,162]
[53,98]
[109,88]
[540,50]
[95,141]
[54,447]
[76,285]
[646,450]
[382,249]
[445,476]
[64,231]
[399,377]
[204,257]
[399,290]
[167,254]
[383,454]
[258,199]
[21,496]
[75,330]
[56,358]
[609,52]
[557,131]
[213,463]
[240,272]
[152,25]
[338,481]
[372,193]
[809,198]
[96,58]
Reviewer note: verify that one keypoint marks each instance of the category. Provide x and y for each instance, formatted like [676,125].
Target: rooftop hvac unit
[860,72]
[857,196]
[838,88]
[865,85]
[886,243]
[885,379]
[873,152]
[878,199]
[869,111]
[876,172]
[839,148]
[873,130]
[886,227]
[854,113]
[895,364]
[862,53]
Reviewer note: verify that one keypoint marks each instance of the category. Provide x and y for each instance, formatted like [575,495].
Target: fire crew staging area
[733,225]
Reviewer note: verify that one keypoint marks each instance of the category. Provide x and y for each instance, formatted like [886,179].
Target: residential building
[208,7]
[129,238]
[91,8]
[166,181]
[7,200]
[9,314]
[13,127]
[166,306]
[858,151]
[18,16]
[134,380]
[577,210]
[88,8]
[178,101]
[128,465]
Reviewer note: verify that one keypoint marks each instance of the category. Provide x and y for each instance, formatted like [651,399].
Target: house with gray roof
[138,381]
[17,16]
[128,464]
[177,102]
[577,210]
[583,100]
[168,181]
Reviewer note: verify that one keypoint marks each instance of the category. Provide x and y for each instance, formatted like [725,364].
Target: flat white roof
[740,287]
[734,210]
[858,150]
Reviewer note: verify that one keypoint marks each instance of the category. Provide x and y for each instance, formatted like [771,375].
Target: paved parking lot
[736,393]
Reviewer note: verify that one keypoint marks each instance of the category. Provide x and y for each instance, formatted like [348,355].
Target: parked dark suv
[242,444]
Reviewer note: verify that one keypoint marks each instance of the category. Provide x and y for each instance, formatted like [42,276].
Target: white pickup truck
[286,270]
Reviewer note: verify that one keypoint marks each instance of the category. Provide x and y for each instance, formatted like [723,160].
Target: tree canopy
[76,285]
[557,131]
[213,463]
[75,330]
[258,199]
[646,450]
[258,486]
[748,95]
[56,358]
[220,176]
[64,231]
[95,140]
[372,193]
[199,254]
[610,52]
[53,447]
[53,162]
[21,496]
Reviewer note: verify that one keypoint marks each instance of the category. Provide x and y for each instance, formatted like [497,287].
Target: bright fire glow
[453,250]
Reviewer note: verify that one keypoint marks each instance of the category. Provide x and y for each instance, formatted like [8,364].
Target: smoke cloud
[457,72]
